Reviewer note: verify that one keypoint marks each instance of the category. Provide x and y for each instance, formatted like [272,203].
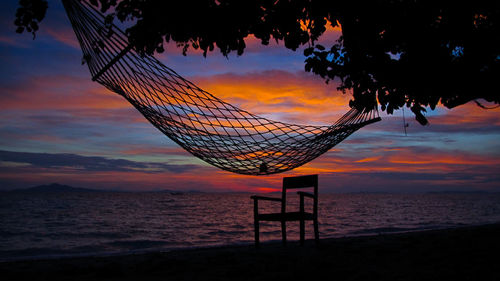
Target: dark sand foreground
[469,253]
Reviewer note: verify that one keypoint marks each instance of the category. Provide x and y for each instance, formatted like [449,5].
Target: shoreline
[463,253]
[62,255]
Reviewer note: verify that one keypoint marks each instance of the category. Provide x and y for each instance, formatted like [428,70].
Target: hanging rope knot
[263,168]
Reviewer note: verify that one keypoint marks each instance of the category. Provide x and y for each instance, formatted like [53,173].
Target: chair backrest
[300,182]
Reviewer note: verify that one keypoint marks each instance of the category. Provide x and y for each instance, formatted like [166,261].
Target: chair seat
[288,216]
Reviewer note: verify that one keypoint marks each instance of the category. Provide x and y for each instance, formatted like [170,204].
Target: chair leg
[283,232]
[302,232]
[316,231]
[256,220]
[256,228]
[302,226]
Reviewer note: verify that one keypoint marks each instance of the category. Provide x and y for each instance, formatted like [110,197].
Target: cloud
[280,95]
[88,163]
[390,169]
[426,159]
[467,118]
[13,41]
[58,92]
[24,169]
[136,149]
[63,34]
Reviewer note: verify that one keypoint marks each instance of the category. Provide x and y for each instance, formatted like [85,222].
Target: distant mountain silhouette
[55,187]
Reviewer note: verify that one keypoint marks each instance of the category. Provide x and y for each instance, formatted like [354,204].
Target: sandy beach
[467,253]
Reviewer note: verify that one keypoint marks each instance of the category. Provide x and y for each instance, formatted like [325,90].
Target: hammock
[215,131]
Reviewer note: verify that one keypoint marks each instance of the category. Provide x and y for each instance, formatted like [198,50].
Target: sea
[39,225]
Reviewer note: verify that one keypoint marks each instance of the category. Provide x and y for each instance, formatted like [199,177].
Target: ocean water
[40,225]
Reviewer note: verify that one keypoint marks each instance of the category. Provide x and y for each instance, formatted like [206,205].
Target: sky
[56,125]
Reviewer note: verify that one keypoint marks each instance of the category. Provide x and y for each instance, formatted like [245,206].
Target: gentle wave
[65,224]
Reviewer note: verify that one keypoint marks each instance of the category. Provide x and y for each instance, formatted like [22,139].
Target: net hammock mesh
[215,131]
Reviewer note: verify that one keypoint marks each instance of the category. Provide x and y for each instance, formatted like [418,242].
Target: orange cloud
[300,97]
[370,159]
[403,160]
[283,96]
[59,92]
[466,115]
[442,158]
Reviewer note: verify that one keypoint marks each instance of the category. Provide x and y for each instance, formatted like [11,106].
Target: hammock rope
[215,131]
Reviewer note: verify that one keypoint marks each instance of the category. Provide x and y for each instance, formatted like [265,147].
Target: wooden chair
[284,216]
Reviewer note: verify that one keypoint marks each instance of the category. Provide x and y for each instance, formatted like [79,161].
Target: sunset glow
[56,125]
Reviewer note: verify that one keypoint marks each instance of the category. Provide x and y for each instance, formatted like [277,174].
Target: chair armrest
[306,194]
[255,197]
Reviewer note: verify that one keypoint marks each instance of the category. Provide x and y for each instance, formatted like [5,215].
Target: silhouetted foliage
[29,14]
[401,53]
